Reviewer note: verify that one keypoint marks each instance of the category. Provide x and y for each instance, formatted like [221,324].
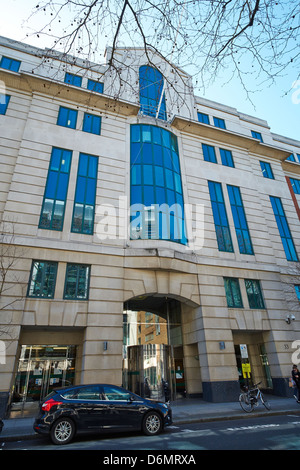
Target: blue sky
[280,109]
[278,104]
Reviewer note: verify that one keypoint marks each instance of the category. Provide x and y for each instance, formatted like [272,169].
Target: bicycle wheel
[265,402]
[245,402]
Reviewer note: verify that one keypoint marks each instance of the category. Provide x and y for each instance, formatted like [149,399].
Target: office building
[153,235]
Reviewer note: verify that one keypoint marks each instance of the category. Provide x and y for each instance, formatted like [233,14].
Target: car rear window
[49,396]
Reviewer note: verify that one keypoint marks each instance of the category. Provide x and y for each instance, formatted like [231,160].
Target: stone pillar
[279,350]
[218,366]
[102,355]
[192,370]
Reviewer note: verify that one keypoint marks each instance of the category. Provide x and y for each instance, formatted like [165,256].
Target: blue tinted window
[297,289]
[147,153]
[283,227]
[240,222]
[220,217]
[226,157]
[91,124]
[219,122]
[156,189]
[136,174]
[56,189]
[72,79]
[291,158]
[67,117]
[151,89]
[10,64]
[62,186]
[295,185]
[4,100]
[204,118]
[148,174]
[209,153]
[85,194]
[266,170]
[95,86]
[159,176]
[257,135]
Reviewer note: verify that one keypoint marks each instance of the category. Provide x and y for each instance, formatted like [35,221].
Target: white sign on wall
[244,351]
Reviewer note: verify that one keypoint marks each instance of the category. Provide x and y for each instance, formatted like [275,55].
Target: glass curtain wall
[152,97]
[157,204]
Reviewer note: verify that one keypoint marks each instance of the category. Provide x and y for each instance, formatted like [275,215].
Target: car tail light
[49,403]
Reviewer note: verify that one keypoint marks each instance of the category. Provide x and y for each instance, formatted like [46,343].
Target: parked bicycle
[249,398]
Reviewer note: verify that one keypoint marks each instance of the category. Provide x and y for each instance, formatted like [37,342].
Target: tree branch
[250,23]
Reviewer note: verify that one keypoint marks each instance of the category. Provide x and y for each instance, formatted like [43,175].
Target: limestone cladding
[122,268]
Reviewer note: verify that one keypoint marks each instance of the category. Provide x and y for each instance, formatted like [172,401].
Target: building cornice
[226,137]
[29,83]
[291,168]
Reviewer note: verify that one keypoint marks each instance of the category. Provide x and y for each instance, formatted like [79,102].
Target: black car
[98,408]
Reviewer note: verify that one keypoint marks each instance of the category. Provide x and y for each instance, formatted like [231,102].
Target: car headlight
[165,406]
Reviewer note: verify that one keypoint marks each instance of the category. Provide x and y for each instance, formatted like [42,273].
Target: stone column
[102,355]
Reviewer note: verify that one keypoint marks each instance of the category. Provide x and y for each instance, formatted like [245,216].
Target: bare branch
[241,31]
[204,37]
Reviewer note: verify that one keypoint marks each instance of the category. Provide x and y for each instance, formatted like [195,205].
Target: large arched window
[157,206]
[151,88]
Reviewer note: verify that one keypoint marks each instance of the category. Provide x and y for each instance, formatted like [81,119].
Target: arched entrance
[153,347]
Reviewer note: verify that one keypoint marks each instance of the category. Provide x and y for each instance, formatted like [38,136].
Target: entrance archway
[153,347]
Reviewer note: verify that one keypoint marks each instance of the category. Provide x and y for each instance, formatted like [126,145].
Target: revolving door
[150,371]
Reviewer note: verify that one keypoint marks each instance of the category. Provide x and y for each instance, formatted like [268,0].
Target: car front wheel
[62,431]
[152,424]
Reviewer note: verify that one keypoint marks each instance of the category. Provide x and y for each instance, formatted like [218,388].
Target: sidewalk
[184,411]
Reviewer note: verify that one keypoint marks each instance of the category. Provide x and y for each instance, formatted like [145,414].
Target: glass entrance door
[266,366]
[39,370]
[150,371]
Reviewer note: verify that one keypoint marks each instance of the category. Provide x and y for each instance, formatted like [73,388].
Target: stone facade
[123,269]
